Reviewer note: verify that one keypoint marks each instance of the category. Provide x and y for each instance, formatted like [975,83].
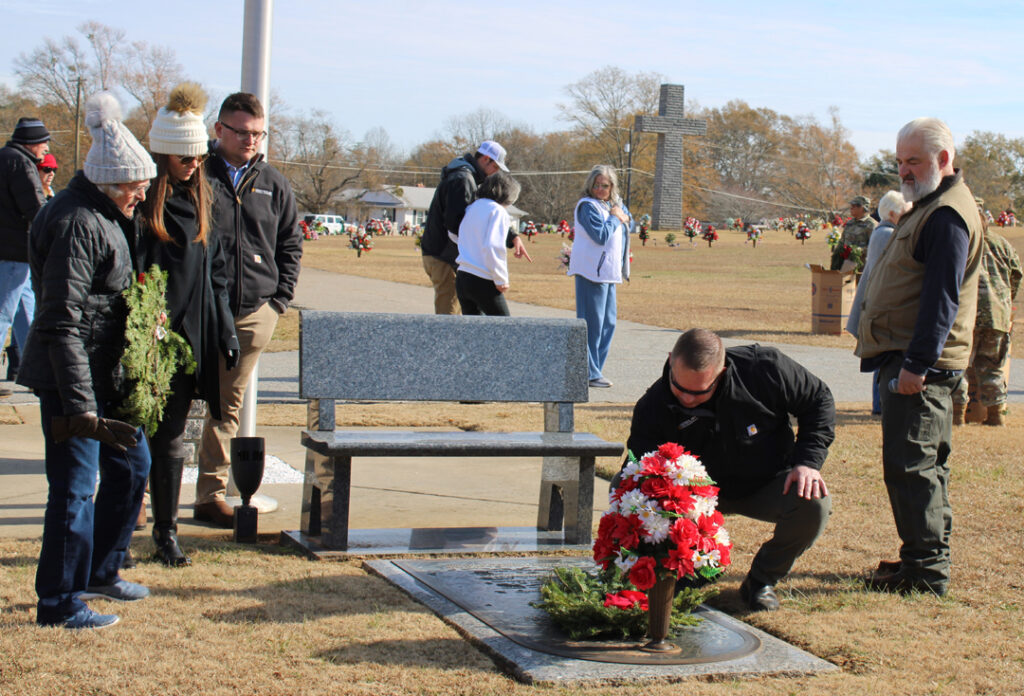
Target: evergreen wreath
[605,605]
[152,352]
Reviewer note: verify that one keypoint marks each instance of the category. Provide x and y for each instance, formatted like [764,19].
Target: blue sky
[408,66]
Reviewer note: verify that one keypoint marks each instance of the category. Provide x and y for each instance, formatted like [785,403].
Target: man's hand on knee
[809,483]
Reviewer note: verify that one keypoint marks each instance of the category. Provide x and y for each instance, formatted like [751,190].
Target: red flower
[642,574]
[652,466]
[626,599]
[679,560]
[679,501]
[142,277]
[704,491]
[627,530]
[671,450]
[684,533]
[656,487]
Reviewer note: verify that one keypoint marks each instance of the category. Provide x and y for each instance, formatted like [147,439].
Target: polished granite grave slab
[434,540]
[488,601]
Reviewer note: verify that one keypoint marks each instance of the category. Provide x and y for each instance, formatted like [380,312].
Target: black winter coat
[21,197]
[459,182]
[197,292]
[81,254]
[258,230]
[743,434]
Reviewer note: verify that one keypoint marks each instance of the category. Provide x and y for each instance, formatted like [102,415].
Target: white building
[398,204]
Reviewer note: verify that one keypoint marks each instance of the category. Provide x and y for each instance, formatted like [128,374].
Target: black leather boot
[13,361]
[164,489]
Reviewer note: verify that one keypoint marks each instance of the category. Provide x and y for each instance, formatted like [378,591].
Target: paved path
[637,354]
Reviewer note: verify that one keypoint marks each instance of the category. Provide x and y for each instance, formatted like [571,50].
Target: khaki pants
[442,275]
[254,332]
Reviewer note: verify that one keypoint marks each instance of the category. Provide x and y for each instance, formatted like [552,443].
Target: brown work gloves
[107,430]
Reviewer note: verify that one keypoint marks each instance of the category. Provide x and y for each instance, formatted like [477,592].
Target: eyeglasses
[189,159]
[48,170]
[692,392]
[137,189]
[244,134]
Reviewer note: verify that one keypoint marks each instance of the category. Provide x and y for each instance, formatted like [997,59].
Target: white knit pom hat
[178,128]
[115,157]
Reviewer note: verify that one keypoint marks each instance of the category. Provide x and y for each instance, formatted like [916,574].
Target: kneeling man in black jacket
[732,409]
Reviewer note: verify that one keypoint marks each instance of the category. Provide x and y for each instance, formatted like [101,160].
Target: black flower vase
[247,457]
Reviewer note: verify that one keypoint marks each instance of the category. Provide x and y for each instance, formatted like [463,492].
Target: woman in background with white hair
[600,261]
[890,208]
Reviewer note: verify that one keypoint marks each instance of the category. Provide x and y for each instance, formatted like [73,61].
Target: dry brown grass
[261,621]
[258,620]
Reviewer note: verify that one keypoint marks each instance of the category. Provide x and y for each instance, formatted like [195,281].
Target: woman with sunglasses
[177,237]
[47,170]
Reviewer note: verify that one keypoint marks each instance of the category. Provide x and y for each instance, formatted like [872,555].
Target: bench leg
[309,521]
[335,488]
[557,487]
[579,505]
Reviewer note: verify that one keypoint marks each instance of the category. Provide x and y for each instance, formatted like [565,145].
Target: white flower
[703,506]
[655,528]
[712,559]
[631,470]
[632,501]
[649,511]
[625,563]
[694,470]
[721,537]
[161,333]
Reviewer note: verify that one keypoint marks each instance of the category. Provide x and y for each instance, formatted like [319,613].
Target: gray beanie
[115,157]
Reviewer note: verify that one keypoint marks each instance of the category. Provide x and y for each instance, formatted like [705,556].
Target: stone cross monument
[670,126]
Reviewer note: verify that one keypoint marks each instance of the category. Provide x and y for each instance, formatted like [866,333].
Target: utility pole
[629,167]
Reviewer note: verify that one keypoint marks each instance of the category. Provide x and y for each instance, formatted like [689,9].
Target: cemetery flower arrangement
[691,227]
[832,238]
[710,235]
[564,256]
[803,233]
[644,228]
[563,229]
[855,254]
[753,235]
[1006,219]
[661,523]
[530,230]
[361,240]
[548,228]
[152,353]
[417,237]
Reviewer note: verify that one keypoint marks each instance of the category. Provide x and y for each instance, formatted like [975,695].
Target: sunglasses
[692,392]
[189,159]
[48,170]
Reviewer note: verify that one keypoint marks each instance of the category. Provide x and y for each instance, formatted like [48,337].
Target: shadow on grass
[18,561]
[433,653]
[846,418]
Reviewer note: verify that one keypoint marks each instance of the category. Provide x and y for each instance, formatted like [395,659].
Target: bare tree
[148,74]
[51,73]
[465,133]
[313,153]
[602,107]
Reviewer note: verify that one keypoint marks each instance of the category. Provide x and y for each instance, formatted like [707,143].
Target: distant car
[333,224]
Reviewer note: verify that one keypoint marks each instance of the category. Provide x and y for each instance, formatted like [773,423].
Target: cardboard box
[831,299]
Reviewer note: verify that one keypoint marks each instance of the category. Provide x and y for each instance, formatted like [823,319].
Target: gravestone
[488,601]
[669,124]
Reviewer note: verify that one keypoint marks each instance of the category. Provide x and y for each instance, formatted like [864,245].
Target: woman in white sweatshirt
[482,276]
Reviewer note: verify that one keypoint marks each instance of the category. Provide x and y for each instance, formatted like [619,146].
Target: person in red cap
[47,170]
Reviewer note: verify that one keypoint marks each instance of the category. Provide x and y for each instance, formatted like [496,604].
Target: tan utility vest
[893,294]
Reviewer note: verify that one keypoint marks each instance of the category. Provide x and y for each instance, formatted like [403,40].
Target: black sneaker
[758,596]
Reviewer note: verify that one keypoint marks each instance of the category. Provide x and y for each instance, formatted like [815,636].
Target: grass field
[258,620]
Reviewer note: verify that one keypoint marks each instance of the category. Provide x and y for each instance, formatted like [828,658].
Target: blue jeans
[595,303]
[86,530]
[14,280]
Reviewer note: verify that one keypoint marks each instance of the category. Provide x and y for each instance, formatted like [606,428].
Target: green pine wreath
[152,353]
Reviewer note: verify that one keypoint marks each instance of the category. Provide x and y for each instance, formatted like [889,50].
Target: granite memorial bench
[415,357]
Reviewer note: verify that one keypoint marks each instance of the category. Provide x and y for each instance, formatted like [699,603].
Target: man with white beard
[916,327]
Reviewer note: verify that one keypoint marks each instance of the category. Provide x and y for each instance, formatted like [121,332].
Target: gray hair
[935,134]
[500,187]
[892,202]
[607,171]
[699,349]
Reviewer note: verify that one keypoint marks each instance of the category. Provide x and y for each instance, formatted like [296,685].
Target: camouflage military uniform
[998,282]
[856,233]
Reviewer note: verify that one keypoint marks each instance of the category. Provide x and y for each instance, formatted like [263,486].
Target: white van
[334,224]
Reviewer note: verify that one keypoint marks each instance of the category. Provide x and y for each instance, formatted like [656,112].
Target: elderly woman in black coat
[177,237]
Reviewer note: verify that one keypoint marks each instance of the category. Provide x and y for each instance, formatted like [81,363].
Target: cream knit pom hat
[115,157]
[178,128]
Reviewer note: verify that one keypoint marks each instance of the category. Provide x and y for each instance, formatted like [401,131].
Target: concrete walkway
[403,492]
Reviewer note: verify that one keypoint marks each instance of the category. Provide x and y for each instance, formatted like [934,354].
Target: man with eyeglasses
[254,216]
[21,197]
[732,408]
